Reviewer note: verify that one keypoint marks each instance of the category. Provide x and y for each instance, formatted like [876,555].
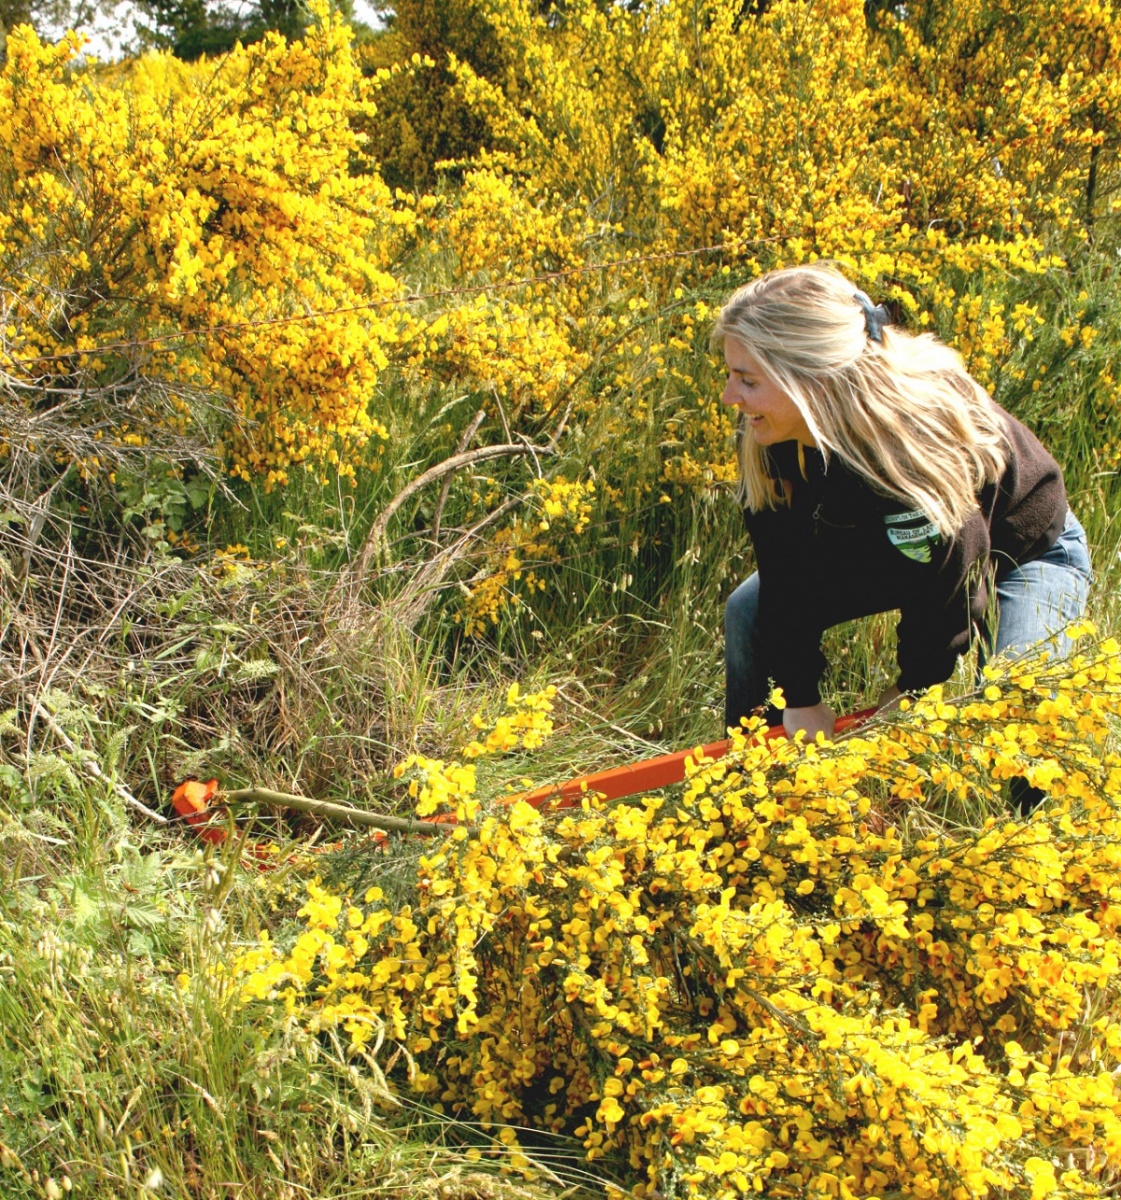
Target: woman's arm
[790,620]
[936,623]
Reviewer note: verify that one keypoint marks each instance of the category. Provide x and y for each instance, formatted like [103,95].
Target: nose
[728,396]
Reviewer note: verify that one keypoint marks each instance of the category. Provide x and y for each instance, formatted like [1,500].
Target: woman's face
[769,412]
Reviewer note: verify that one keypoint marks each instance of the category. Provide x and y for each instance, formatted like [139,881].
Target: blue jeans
[1036,602]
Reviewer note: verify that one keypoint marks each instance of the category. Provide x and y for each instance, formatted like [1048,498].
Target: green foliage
[191,29]
[423,120]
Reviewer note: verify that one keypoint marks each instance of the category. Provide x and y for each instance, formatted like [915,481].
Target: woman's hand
[889,699]
[818,718]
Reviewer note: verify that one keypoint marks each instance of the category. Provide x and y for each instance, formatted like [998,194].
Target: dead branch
[92,767]
[356,573]
[418,592]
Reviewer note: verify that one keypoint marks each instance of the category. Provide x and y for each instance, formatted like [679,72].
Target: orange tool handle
[650,773]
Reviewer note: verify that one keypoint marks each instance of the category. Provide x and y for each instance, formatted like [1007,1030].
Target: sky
[111,31]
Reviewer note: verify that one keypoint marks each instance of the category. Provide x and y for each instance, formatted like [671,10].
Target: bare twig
[418,592]
[375,539]
[92,767]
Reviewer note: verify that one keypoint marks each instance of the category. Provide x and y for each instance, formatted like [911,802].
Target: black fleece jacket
[841,549]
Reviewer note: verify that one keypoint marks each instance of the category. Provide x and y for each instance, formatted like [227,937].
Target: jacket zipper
[819,520]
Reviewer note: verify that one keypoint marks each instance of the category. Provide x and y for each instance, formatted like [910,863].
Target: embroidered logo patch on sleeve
[913,534]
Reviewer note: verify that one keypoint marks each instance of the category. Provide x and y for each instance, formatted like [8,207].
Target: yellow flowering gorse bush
[193,219]
[633,166]
[934,153]
[781,978]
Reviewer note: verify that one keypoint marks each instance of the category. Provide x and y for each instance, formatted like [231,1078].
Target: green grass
[128,1065]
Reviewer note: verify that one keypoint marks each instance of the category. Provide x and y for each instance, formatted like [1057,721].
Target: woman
[877,475]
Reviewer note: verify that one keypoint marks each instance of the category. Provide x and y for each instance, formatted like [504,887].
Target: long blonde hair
[901,411]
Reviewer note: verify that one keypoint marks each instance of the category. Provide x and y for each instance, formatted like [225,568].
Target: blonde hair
[903,411]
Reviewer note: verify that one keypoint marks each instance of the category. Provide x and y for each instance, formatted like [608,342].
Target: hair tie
[875,317]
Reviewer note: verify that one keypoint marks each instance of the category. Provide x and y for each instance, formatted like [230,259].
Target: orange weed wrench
[191,799]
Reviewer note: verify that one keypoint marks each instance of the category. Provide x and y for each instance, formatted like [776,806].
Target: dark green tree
[192,28]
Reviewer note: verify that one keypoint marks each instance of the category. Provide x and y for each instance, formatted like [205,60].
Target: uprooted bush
[790,976]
